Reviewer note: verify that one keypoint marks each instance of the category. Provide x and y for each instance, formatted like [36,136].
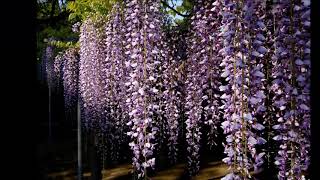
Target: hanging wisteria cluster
[144,57]
[291,86]
[243,95]
[52,67]
[114,76]
[65,75]
[92,85]
[88,78]
[246,22]
[172,95]
[202,81]
[48,65]
[246,69]
[57,67]
[70,77]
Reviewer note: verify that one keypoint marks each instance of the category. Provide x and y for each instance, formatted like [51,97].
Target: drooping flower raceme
[70,76]
[230,125]
[90,70]
[302,17]
[281,87]
[291,87]
[193,105]
[160,54]
[171,97]
[113,76]
[211,43]
[243,97]
[200,73]
[143,36]
[57,68]
[256,49]
[47,62]
[94,77]
[76,27]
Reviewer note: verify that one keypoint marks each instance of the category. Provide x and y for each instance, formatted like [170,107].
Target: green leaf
[180,9]
[187,5]
[171,12]
[72,16]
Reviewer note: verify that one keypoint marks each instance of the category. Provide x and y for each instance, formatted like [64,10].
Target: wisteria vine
[143,50]
[291,87]
[245,71]
[70,77]
[244,50]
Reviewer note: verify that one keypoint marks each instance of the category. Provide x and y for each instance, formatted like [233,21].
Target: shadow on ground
[213,170]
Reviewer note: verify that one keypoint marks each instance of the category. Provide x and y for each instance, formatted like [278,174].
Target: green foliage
[79,11]
[64,44]
[82,9]
[43,10]
[62,32]
[187,5]
[184,8]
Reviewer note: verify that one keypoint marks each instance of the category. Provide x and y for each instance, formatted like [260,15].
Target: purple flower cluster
[57,66]
[91,80]
[241,64]
[291,86]
[70,77]
[47,62]
[243,99]
[232,102]
[51,72]
[66,78]
[171,96]
[143,50]
[99,112]
[202,80]
[207,32]
[254,19]
[114,73]
[76,27]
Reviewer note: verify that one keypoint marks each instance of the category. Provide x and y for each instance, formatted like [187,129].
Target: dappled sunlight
[60,174]
[212,170]
[170,174]
[117,172]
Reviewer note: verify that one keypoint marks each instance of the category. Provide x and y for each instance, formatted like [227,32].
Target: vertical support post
[49,112]
[79,142]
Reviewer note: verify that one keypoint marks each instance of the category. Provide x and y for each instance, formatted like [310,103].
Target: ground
[214,170]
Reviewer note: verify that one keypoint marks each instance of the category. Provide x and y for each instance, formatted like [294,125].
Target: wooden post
[49,111]
[79,142]
[95,160]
